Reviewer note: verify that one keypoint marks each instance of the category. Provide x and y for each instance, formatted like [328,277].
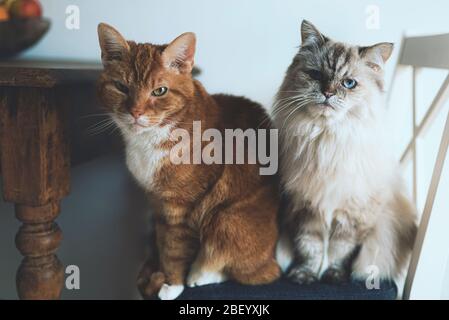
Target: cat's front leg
[342,245]
[309,250]
[177,249]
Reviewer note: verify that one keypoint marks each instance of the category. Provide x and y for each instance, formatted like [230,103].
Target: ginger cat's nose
[136,113]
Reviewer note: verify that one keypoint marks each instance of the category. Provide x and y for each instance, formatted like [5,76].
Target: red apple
[26,9]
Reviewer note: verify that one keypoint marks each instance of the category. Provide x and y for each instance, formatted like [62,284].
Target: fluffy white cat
[348,209]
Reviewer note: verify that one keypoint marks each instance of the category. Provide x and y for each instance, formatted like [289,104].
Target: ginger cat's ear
[179,54]
[113,46]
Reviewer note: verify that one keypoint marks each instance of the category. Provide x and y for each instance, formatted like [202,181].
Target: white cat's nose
[328,94]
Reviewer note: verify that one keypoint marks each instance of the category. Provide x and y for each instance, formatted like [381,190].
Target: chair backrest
[416,53]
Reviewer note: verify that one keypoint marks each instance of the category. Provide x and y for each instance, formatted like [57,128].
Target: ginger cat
[215,221]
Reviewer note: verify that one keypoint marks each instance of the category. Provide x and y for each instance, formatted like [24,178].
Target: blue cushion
[283,289]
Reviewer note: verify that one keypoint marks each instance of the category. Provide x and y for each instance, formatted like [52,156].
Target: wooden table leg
[35,171]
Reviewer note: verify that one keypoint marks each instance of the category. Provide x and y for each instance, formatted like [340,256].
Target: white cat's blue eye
[349,83]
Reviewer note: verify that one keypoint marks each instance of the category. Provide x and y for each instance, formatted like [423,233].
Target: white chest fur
[331,170]
[144,155]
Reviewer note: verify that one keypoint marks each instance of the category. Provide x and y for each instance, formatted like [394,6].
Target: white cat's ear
[310,34]
[113,46]
[180,53]
[377,55]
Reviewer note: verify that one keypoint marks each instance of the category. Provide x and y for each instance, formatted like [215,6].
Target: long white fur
[343,162]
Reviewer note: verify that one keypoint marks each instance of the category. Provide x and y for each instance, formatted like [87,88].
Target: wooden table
[35,162]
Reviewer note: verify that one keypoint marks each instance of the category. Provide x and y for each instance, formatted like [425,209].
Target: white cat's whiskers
[297,108]
[286,104]
[298,102]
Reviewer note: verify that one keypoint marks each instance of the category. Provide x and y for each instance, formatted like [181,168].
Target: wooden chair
[416,53]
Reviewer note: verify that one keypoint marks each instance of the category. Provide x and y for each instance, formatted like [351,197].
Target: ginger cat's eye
[159,91]
[121,87]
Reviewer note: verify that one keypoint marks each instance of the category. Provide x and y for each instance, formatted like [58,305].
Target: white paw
[202,278]
[284,252]
[168,292]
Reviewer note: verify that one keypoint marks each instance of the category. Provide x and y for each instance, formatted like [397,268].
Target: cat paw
[202,278]
[170,292]
[334,276]
[302,275]
[150,285]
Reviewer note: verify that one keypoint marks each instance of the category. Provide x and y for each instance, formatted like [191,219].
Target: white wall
[244,47]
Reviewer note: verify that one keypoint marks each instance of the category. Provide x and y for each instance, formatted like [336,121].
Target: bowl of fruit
[21,26]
